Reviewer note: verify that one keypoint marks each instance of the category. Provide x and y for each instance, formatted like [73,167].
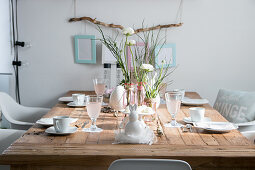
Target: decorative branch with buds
[94,21]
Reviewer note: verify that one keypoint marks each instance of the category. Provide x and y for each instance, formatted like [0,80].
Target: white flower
[128,31]
[147,67]
[131,42]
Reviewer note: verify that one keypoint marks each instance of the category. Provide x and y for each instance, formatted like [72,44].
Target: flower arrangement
[143,73]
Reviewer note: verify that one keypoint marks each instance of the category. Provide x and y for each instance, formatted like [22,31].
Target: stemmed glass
[94,104]
[99,85]
[173,103]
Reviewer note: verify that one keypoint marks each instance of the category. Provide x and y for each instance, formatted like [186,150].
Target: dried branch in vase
[94,21]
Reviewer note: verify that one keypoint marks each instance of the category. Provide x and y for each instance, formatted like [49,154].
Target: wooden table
[37,150]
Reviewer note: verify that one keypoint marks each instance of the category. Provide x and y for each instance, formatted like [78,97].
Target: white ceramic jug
[134,127]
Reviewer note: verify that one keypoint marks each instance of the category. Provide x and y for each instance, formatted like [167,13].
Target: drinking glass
[94,104]
[99,85]
[173,103]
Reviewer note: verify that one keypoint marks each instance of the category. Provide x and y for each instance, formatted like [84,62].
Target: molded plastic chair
[237,107]
[7,137]
[18,116]
[250,135]
[149,164]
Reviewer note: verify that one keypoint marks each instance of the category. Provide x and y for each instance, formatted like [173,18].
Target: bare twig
[121,27]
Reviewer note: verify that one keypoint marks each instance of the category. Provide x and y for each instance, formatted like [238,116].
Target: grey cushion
[236,106]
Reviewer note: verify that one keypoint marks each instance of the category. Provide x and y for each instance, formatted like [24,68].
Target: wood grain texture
[38,150]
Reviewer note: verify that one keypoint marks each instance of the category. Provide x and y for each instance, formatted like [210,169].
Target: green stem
[134,64]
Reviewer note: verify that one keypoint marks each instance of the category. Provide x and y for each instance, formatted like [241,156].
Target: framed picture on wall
[85,49]
[139,48]
[166,52]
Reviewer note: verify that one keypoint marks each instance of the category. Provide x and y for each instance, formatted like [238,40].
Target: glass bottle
[118,74]
[107,75]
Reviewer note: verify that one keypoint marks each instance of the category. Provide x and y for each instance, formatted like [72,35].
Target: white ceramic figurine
[134,127]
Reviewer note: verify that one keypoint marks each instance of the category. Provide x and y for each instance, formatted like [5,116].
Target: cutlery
[184,128]
[85,123]
[189,126]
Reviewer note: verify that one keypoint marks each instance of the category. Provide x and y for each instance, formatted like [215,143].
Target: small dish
[51,130]
[72,104]
[142,110]
[188,120]
[49,121]
[219,127]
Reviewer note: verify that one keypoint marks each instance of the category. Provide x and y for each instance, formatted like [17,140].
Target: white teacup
[182,92]
[78,99]
[197,114]
[61,123]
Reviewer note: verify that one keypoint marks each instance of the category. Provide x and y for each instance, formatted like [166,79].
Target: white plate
[245,123]
[51,130]
[72,104]
[188,120]
[220,127]
[194,102]
[49,121]
[65,99]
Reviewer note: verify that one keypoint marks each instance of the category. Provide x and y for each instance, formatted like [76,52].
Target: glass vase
[151,102]
[130,94]
[140,94]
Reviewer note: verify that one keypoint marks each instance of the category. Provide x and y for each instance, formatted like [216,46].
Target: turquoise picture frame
[85,49]
[165,52]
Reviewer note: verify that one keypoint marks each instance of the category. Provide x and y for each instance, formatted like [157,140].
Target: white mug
[78,99]
[197,114]
[61,123]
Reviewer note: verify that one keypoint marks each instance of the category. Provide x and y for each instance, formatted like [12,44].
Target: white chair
[238,107]
[16,116]
[250,135]
[149,164]
[7,137]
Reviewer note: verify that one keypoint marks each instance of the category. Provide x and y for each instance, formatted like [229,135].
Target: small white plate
[188,120]
[49,121]
[72,104]
[51,130]
[65,99]
[194,102]
[219,127]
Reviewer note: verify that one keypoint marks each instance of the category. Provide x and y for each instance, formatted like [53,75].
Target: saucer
[188,120]
[72,104]
[49,121]
[70,130]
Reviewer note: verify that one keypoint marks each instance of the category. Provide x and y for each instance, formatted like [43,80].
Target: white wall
[5,44]
[215,46]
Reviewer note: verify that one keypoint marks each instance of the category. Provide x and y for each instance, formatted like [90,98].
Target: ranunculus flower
[128,31]
[147,67]
[131,42]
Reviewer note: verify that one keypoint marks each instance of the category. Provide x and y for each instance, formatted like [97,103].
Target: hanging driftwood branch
[121,27]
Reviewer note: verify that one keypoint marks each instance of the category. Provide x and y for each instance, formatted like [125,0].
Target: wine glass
[94,104]
[99,85]
[173,103]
